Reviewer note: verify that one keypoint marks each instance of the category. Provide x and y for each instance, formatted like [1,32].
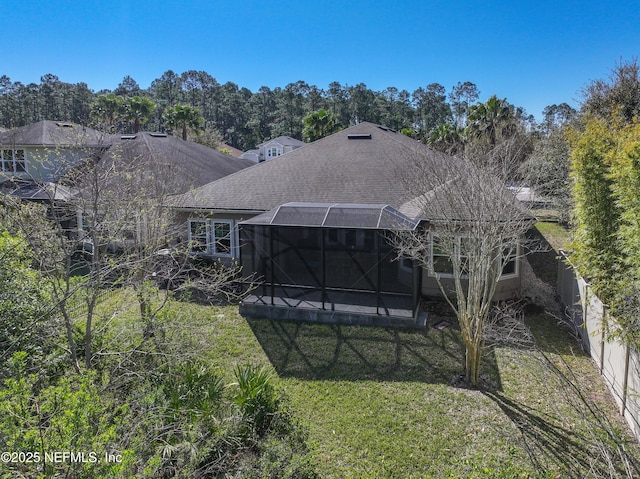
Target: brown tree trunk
[472,363]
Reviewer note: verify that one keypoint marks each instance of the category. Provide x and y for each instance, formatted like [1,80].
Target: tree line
[242,118]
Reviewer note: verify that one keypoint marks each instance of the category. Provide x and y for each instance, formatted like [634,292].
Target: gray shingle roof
[51,134]
[284,141]
[335,169]
[195,164]
[464,198]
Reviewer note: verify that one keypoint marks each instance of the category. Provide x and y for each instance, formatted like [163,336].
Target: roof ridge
[147,144]
[43,133]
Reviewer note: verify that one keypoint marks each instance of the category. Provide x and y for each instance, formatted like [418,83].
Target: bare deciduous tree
[109,227]
[473,234]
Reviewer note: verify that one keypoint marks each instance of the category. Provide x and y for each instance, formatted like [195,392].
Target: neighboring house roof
[363,164]
[529,196]
[284,141]
[179,165]
[53,134]
[251,155]
[194,164]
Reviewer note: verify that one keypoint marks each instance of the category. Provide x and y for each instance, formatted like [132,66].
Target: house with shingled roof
[37,156]
[188,164]
[45,163]
[313,226]
[44,151]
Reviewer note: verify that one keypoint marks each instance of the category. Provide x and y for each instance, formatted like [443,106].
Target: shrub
[258,399]
[69,416]
[25,322]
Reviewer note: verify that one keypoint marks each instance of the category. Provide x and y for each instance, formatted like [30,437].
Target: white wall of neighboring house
[272,149]
[45,164]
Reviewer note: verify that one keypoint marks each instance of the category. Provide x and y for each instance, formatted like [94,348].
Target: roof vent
[359,136]
[158,135]
[65,125]
[128,137]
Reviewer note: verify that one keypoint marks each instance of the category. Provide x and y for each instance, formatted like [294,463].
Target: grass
[385,403]
[556,235]
[380,403]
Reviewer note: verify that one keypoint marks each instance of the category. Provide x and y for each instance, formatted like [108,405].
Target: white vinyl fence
[619,364]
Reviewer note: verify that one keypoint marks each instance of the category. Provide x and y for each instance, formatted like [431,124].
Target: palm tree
[106,109]
[490,118]
[137,110]
[184,117]
[319,124]
[448,138]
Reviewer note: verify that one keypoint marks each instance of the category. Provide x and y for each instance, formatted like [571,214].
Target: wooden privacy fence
[618,363]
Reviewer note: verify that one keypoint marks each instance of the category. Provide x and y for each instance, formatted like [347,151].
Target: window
[509,262]
[273,152]
[440,259]
[13,161]
[212,237]
[222,238]
[442,264]
[198,236]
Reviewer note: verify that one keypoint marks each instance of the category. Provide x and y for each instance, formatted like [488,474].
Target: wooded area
[244,118]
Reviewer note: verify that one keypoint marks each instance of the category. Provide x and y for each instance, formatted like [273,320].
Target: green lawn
[555,234]
[384,403]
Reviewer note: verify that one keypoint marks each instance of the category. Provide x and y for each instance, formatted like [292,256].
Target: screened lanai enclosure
[329,263]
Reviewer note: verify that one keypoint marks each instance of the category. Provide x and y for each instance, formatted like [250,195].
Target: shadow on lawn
[353,353]
[556,447]
[548,445]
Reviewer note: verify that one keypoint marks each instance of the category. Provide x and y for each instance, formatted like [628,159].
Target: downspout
[417,289]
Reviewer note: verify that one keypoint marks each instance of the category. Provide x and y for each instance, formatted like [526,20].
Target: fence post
[625,380]
[603,338]
[585,309]
[575,297]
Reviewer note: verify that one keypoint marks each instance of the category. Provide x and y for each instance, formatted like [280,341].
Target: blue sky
[532,53]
